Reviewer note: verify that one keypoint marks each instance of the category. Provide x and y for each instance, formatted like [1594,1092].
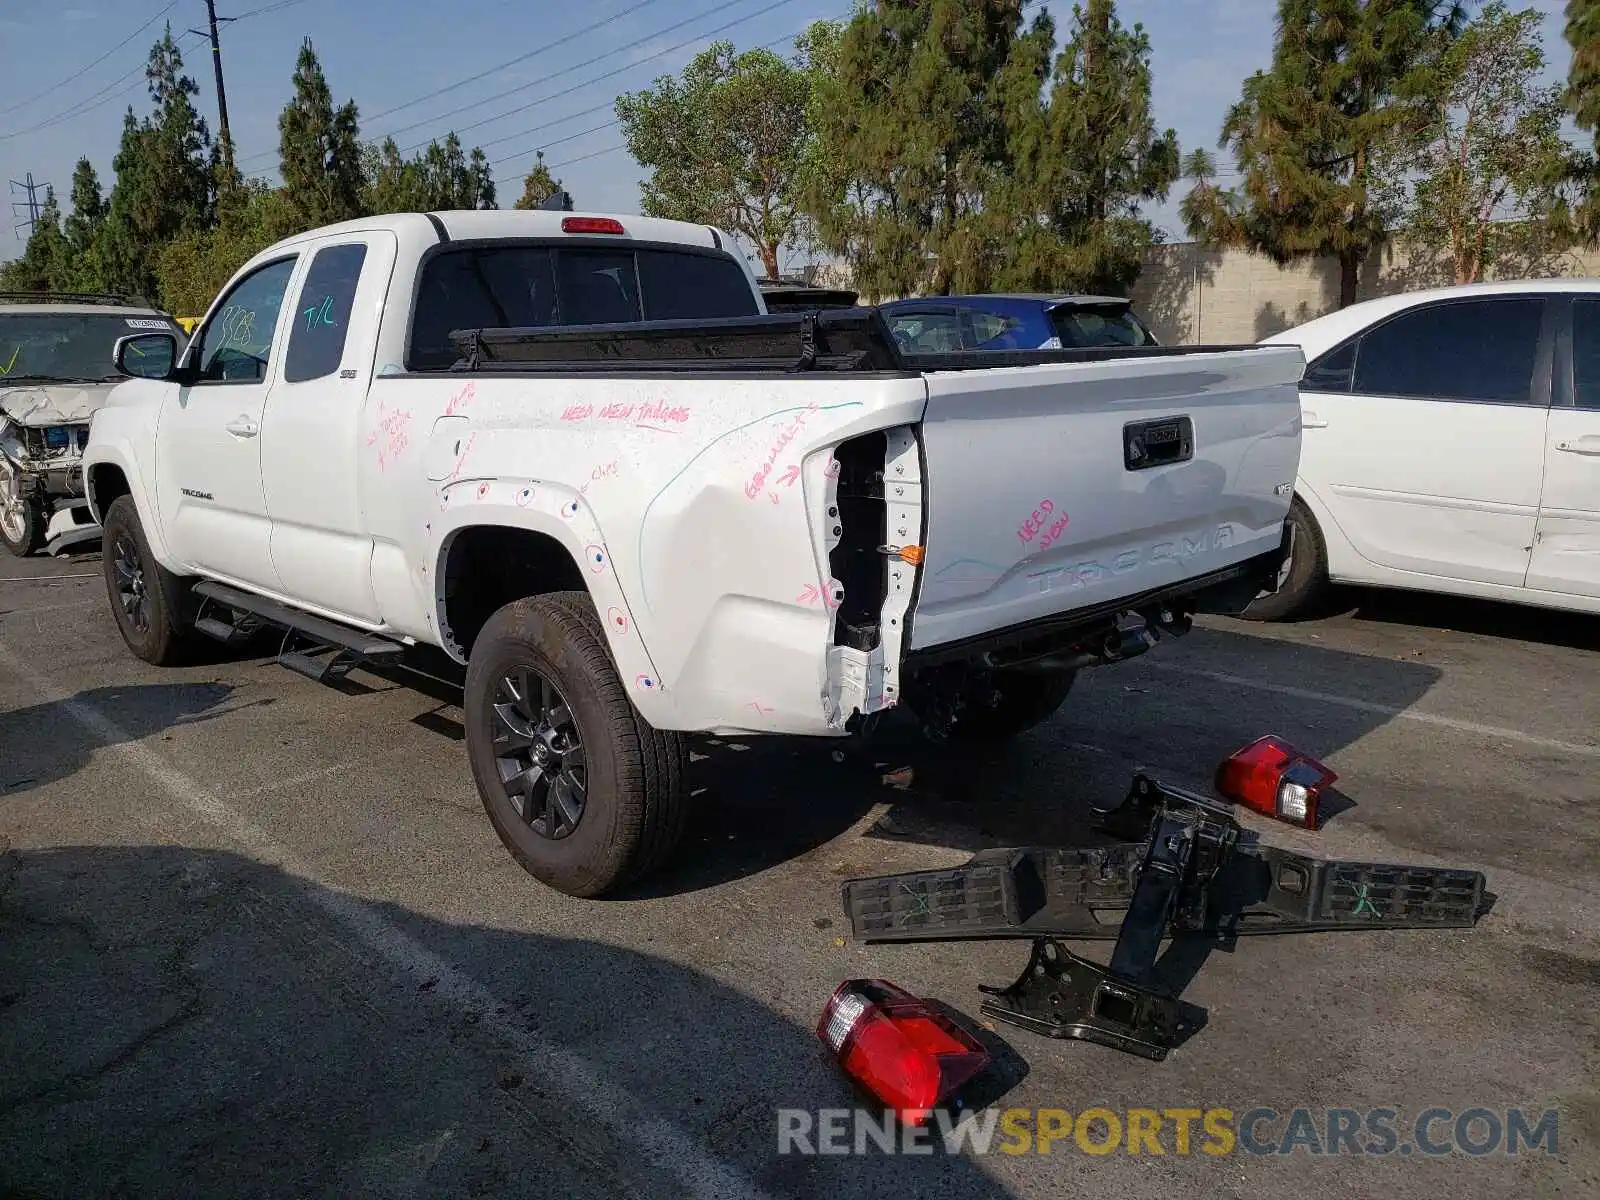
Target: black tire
[1020,701]
[633,805]
[146,599]
[1304,584]
[21,529]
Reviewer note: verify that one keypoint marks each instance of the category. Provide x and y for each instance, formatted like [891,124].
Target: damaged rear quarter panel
[696,508]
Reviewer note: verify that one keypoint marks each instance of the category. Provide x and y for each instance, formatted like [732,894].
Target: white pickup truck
[575,453]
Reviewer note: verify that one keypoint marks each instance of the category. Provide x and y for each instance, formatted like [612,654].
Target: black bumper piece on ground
[1196,873]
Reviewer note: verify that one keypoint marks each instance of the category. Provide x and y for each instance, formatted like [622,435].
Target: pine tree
[45,260]
[1311,135]
[163,178]
[539,186]
[83,272]
[908,111]
[1079,166]
[319,149]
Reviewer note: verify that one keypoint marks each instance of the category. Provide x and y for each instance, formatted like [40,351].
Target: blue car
[945,324]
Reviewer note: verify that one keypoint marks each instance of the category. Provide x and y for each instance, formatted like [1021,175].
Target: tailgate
[1068,485]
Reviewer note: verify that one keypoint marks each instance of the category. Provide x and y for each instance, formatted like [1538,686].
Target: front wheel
[145,598]
[1303,578]
[22,520]
[585,793]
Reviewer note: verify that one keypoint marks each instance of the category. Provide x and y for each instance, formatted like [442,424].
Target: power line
[474,79]
[31,190]
[511,62]
[610,124]
[265,9]
[91,102]
[85,70]
[556,95]
[589,62]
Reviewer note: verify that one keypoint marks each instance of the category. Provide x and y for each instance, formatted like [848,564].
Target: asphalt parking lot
[257,938]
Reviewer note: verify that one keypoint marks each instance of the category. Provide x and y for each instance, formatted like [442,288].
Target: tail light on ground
[1270,776]
[897,1047]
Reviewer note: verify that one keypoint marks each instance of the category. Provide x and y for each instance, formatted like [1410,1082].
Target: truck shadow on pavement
[41,744]
[193,1019]
[766,801]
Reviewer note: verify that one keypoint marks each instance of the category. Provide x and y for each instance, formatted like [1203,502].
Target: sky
[67,74]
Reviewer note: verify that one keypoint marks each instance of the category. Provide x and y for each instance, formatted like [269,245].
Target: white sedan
[1451,443]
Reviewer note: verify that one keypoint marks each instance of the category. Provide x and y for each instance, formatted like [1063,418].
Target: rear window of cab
[533,286]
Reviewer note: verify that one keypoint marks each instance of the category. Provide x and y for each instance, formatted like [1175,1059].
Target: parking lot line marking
[43,578]
[558,1070]
[52,608]
[1475,728]
[279,785]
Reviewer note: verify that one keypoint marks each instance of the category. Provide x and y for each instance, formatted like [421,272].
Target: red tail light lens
[903,1052]
[1272,777]
[591,225]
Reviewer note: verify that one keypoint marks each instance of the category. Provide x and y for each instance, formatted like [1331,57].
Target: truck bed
[1052,481]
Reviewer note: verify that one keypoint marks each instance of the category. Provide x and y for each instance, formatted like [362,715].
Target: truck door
[314,456]
[208,453]
[1566,545]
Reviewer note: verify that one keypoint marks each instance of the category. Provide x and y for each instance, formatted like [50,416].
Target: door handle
[242,426]
[1310,420]
[1589,443]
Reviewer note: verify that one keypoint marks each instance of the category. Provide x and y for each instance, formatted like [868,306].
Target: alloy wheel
[538,752]
[132,591]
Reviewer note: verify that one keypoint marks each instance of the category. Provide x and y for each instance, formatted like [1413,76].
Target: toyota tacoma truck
[575,453]
[55,370]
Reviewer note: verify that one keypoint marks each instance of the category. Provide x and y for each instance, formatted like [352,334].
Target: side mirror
[146,355]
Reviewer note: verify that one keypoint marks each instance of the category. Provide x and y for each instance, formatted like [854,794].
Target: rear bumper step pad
[1033,892]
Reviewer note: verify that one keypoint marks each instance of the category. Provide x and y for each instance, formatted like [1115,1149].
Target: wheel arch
[493,554]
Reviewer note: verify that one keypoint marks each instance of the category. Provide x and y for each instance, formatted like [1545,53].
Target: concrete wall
[1190,294]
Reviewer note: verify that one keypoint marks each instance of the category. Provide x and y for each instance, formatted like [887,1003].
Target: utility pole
[31,190]
[225,141]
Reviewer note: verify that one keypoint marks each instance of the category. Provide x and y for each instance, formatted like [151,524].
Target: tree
[725,144]
[1583,99]
[44,260]
[193,267]
[82,271]
[539,186]
[909,111]
[1082,162]
[1311,134]
[440,178]
[319,148]
[163,177]
[1488,164]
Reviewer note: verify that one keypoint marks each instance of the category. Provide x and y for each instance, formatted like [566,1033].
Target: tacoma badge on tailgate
[1157,443]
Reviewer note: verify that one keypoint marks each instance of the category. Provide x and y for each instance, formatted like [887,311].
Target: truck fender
[117,456]
[563,515]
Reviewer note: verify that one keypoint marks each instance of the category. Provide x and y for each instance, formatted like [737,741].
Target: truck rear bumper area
[1227,591]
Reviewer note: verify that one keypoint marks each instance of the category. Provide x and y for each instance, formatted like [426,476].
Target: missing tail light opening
[898,1048]
[862,522]
[1271,777]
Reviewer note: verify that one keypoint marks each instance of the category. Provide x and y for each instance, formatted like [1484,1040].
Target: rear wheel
[1303,578]
[585,793]
[145,598]
[1014,703]
[22,519]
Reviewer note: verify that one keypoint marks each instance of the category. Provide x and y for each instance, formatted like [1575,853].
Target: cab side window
[236,344]
[317,333]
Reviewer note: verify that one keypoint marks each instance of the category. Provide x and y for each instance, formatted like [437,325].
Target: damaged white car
[56,370]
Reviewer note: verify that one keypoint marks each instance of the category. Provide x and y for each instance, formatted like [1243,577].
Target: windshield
[1099,325]
[69,347]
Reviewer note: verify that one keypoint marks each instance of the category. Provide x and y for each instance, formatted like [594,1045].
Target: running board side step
[329,650]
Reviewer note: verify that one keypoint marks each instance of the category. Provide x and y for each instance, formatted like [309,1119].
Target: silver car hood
[38,404]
